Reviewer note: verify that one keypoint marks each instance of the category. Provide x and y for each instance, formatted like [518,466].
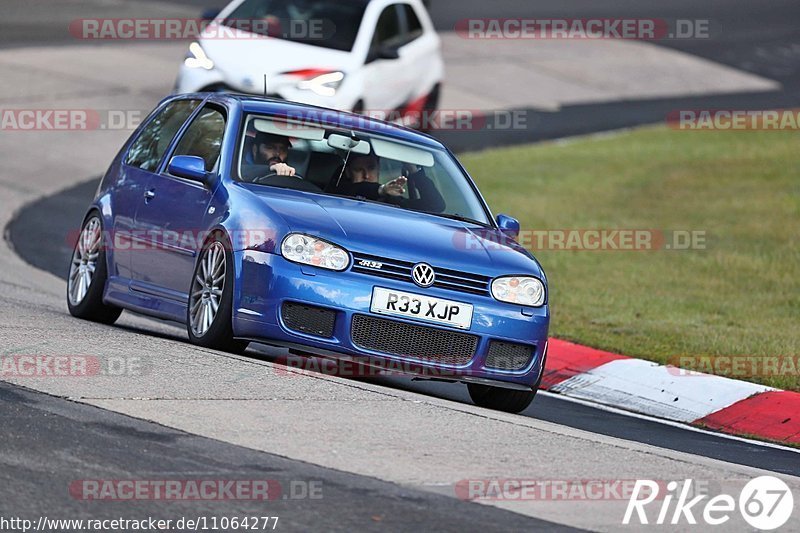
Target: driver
[270,149]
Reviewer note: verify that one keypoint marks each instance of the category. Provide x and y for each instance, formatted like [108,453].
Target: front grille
[409,340]
[308,319]
[508,356]
[401,270]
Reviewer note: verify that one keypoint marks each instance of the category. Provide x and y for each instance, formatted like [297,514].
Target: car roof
[323,116]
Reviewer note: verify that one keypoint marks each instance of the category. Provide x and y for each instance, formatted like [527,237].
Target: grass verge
[738,298]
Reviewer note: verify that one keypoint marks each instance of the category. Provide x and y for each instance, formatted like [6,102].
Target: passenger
[360,179]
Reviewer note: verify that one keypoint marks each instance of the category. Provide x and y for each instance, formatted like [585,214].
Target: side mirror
[384,52]
[189,167]
[508,225]
[388,52]
[210,14]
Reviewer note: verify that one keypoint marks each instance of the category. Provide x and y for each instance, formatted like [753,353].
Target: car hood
[391,232]
[246,58]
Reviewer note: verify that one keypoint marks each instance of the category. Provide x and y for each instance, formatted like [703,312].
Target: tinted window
[203,138]
[387,32]
[327,23]
[412,21]
[148,149]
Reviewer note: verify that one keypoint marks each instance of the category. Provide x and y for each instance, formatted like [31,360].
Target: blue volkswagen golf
[250,219]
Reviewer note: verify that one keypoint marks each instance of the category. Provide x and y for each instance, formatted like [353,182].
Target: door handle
[149,195]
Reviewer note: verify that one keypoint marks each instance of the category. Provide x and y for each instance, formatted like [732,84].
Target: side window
[151,144]
[203,138]
[414,26]
[387,31]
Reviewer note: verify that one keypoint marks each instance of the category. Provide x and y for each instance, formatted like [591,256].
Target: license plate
[426,308]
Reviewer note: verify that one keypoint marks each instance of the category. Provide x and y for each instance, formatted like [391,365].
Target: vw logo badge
[423,274]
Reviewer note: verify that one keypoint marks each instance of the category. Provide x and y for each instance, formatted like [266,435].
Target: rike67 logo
[766,503]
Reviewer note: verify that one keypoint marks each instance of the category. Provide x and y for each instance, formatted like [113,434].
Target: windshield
[358,165]
[326,23]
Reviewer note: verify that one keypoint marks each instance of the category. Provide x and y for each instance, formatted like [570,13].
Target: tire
[432,102]
[508,400]
[499,399]
[430,107]
[210,309]
[88,272]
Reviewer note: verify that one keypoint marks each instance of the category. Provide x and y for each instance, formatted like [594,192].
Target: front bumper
[264,282]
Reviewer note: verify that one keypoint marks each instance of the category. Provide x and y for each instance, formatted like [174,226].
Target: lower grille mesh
[409,340]
[308,319]
[508,356]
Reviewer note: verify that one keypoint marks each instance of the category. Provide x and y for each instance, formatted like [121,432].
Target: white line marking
[671,423]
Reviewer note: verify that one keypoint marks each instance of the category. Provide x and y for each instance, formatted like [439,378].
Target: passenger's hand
[282,169]
[396,187]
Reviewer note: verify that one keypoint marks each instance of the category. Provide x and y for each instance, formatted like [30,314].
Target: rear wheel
[209,314]
[87,276]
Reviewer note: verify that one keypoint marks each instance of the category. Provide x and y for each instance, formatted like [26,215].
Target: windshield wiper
[460,218]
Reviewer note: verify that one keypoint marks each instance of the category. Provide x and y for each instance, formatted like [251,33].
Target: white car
[353,55]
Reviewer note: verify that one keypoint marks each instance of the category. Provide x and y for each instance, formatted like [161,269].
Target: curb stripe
[704,400]
[773,415]
[566,360]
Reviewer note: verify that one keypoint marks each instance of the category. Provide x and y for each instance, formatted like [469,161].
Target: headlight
[324,84]
[197,58]
[308,250]
[519,290]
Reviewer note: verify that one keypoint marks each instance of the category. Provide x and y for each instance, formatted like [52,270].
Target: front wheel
[87,276]
[209,314]
[509,400]
[499,399]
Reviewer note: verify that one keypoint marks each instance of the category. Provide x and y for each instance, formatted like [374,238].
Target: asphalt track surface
[47,439]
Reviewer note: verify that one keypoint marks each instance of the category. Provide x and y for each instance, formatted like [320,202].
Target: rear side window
[203,137]
[151,144]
